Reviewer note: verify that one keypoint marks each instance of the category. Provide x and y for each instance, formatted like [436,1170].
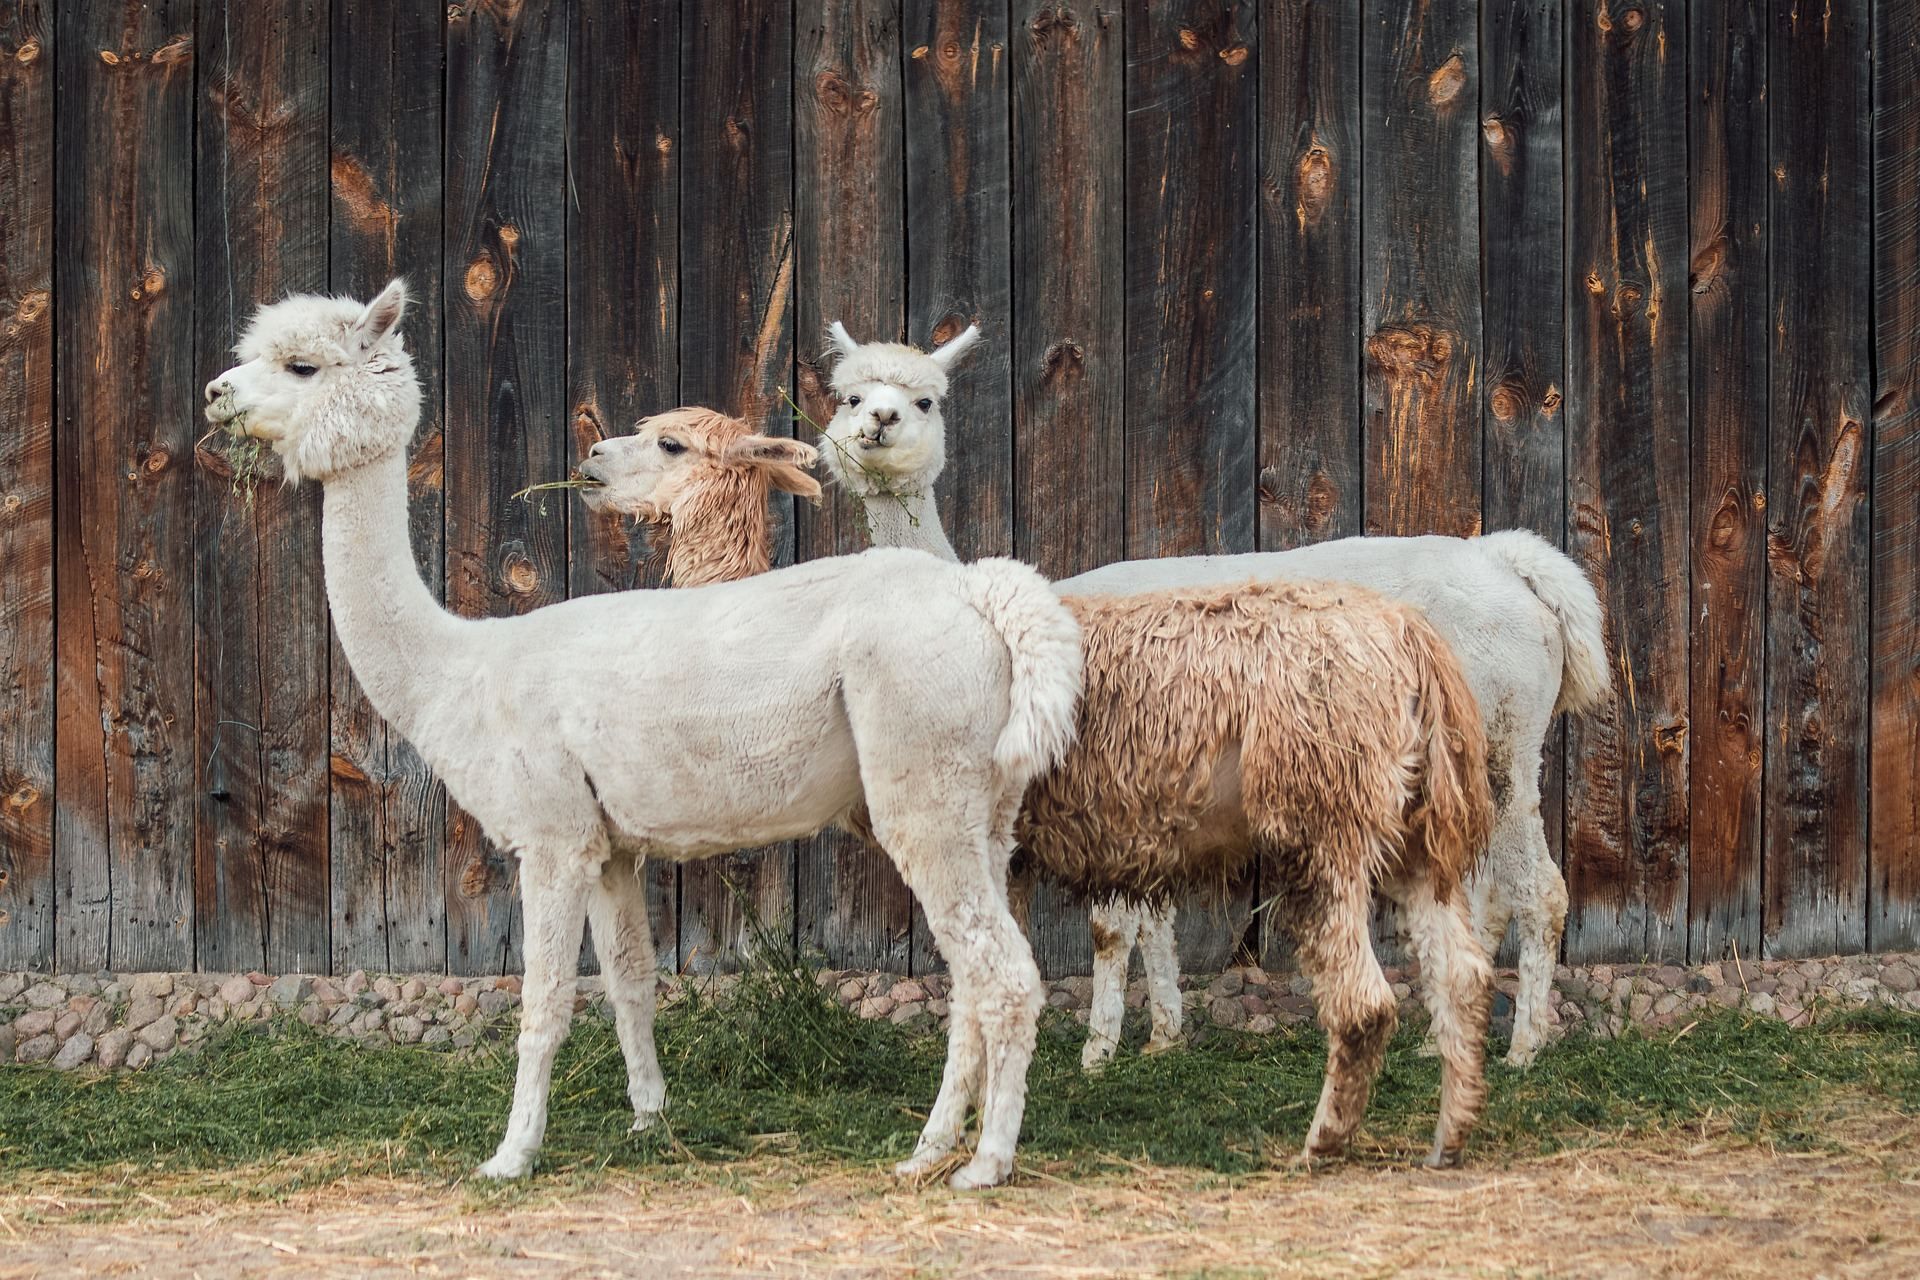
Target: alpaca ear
[382,314]
[843,342]
[785,462]
[954,348]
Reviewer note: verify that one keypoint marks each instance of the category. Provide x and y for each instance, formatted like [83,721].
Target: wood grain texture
[1820,232]
[1894,887]
[1420,84]
[959,266]
[1522,194]
[505,299]
[1627,450]
[736,348]
[1192,271]
[849,251]
[261,891]
[26,488]
[1309,355]
[1068,333]
[388,810]
[128,392]
[1727,311]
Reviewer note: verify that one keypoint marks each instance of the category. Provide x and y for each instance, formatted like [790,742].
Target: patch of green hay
[245,456]
[779,1067]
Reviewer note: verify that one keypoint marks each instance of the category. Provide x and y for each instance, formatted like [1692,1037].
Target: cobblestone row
[129,1021]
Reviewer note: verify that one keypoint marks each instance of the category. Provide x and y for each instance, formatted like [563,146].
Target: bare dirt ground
[1713,1209]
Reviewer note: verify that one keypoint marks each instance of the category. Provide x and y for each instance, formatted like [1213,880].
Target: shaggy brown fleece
[1275,718]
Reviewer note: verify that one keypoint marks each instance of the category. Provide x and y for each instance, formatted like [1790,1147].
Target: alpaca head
[325,381]
[685,463]
[887,434]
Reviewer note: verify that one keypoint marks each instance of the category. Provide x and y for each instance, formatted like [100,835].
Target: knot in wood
[1633,19]
[1313,180]
[13,503]
[33,305]
[23,798]
[1550,402]
[1445,84]
[1410,350]
[947,330]
[27,53]
[1508,401]
[481,278]
[510,236]
[1706,266]
[157,460]
[1670,739]
[520,575]
[1189,39]
[1063,357]
[1594,284]
[1234,54]
[840,96]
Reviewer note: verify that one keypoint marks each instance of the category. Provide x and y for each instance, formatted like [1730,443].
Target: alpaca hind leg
[554,891]
[623,940]
[1457,984]
[1541,918]
[1354,1003]
[1114,926]
[1160,957]
[960,1087]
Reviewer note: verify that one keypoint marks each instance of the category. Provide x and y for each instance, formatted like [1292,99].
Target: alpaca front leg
[554,907]
[1114,927]
[1160,956]
[623,939]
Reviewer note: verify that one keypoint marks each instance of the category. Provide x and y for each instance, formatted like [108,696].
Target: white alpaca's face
[683,452]
[325,381]
[888,429]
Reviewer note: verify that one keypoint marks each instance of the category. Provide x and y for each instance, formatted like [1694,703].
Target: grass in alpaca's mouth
[244,456]
[571,482]
[881,483]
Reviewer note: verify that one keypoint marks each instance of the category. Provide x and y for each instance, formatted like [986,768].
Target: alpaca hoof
[1427,1048]
[644,1120]
[1096,1055]
[980,1172]
[504,1167]
[1440,1158]
[1521,1056]
[1157,1046]
[920,1162]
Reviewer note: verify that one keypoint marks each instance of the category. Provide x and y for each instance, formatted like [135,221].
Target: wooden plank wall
[1642,277]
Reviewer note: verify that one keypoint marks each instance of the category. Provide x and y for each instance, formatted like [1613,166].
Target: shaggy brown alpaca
[702,478]
[1324,729]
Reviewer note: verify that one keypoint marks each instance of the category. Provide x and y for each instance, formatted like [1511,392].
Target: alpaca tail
[1454,817]
[1560,585]
[1043,641]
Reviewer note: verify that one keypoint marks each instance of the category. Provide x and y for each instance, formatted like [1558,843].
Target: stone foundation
[128,1021]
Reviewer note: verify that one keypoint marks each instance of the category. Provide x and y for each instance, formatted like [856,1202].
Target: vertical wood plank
[388,810]
[128,413]
[26,483]
[1523,186]
[1895,886]
[623,303]
[1627,450]
[736,347]
[1820,231]
[505,292]
[1068,335]
[261,884]
[1310,315]
[1420,73]
[1728,314]
[1192,105]
[850,250]
[959,267]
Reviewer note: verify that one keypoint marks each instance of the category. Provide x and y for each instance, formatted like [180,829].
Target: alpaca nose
[215,389]
[886,417]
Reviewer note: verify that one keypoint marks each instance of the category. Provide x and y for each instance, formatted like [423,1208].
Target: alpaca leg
[960,1087]
[1113,925]
[1457,983]
[1160,956]
[623,939]
[1541,917]
[1354,1002]
[554,892]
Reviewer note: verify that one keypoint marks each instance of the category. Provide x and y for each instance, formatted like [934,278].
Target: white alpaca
[1522,618]
[724,717]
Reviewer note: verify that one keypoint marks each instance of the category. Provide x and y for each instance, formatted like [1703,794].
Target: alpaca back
[1273,717]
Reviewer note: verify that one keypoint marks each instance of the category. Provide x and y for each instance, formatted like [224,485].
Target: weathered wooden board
[1894,892]
[389,812]
[505,299]
[959,266]
[1419,216]
[1192,270]
[1522,189]
[1068,333]
[1727,309]
[849,251]
[736,347]
[26,487]
[1627,473]
[128,395]
[1820,234]
[261,893]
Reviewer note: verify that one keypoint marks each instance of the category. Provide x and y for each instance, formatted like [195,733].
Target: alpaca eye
[924,406]
[853,402]
[301,369]
[671,446]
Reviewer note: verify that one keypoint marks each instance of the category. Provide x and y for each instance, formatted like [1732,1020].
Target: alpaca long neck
[908,521]
[395,634]
[720,542]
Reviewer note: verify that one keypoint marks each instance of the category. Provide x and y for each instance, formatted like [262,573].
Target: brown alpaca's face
[675,455]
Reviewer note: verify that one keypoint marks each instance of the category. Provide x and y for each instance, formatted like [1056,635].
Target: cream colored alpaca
[725,717]
[1522,618]
[1206,741]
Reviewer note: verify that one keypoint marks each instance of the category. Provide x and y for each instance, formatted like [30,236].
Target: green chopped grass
[245,456]
[778,1067]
